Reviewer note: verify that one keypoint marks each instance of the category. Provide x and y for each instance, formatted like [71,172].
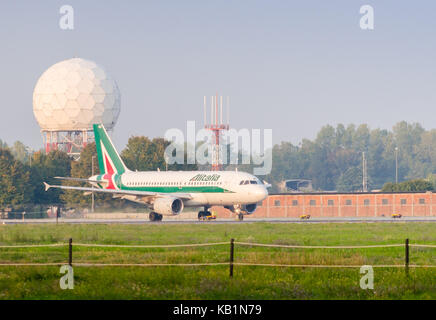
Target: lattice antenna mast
[217,126]
[364,174]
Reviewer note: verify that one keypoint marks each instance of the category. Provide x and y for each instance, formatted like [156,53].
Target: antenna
[228,108]
[364,174]
[211,110]
[216,126]
[216,109]
[221,109]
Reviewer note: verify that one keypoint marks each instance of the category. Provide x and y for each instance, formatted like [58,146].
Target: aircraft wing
[115,192]
[77,179]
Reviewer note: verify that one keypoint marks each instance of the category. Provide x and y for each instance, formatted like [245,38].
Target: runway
[219,221]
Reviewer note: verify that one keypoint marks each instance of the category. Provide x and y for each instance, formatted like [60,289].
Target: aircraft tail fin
[109,160]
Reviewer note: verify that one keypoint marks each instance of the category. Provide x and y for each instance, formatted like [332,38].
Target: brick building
[371,204]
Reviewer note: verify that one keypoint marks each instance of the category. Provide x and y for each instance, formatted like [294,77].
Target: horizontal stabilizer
[47,186]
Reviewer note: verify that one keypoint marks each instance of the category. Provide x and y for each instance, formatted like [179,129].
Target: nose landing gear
[240,217]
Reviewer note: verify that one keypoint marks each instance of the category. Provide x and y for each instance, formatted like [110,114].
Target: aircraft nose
[261,193]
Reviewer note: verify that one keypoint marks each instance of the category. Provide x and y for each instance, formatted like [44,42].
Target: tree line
[333,161]
[22,172]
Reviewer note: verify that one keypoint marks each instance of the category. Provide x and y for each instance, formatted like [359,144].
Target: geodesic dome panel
[73,95]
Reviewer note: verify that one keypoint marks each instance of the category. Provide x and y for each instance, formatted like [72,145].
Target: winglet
[47,186]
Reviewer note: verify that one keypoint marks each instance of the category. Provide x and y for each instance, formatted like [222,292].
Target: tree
[424,162]
[143,154]
[381,163]
[432,179]
[328,160]
[350,180]
[417,185]
[44,168]
[361,138]
[20,153]
[3,145]
[15,187]
[407,137]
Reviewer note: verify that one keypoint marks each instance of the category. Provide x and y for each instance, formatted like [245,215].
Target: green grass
[212,282]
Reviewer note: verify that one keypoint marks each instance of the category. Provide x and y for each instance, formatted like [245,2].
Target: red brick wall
[343,205]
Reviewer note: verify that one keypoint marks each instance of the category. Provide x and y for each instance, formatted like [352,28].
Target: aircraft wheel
[200,215]
[159,217]
[240,217]
[153,216]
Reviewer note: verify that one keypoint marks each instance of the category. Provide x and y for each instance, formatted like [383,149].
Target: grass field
[213,282]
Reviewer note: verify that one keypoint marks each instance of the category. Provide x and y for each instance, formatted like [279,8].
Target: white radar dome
[74,94]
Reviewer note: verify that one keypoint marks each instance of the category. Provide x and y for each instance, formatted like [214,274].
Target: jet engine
[168,206]
[249,208]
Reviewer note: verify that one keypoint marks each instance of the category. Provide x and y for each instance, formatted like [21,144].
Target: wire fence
[231,263]
[318,247]
[151,246]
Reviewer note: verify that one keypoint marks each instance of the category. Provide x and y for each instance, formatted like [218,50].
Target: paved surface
[218,221]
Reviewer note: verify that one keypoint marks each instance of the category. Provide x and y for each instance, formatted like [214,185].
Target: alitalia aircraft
[168,192]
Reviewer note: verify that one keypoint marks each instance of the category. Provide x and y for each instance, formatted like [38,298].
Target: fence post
[70,251]
[407,257]
[232,251]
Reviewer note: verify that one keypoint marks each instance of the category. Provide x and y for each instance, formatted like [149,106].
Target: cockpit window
[249,182]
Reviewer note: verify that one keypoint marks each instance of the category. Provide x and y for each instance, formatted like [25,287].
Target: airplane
[169,192]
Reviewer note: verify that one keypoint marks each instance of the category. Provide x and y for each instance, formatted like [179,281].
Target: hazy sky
[292,66]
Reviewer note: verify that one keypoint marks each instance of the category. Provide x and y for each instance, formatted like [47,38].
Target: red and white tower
[216,125]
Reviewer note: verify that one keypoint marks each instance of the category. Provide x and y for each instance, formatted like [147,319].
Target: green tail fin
[109,160]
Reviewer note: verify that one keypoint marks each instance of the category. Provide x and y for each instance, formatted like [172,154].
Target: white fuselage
[206,188]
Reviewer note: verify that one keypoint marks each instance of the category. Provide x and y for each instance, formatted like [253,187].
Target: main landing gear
[204,215]
[154,216]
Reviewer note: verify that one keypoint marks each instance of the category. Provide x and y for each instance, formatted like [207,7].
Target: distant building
[356,204]
[297,185]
